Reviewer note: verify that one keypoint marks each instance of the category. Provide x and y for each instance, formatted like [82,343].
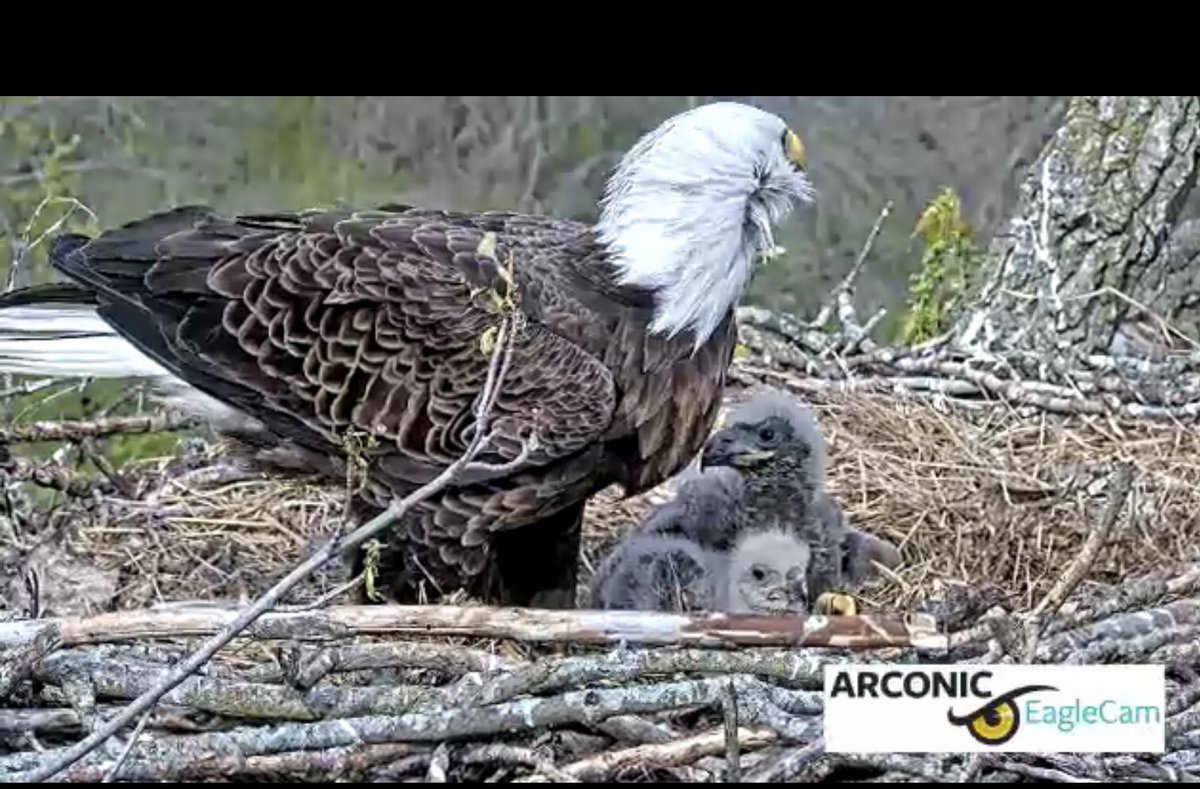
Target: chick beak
[730,451]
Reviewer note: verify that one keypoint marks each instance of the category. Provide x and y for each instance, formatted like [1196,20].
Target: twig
[733,767]
[840,296]
[133,738]
[1122,481]
[337,591]
[500,358]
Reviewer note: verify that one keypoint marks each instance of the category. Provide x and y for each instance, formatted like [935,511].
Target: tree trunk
[1092,251]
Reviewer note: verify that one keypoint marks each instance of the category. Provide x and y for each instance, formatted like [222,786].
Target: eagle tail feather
[63,340]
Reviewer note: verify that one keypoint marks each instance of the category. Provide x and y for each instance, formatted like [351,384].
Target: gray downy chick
[774,443]
[656,573]
[704,510]
[768,574]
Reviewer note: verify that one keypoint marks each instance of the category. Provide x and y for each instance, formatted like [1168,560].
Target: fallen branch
[547,626]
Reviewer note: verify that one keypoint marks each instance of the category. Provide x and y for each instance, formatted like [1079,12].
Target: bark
[1092,235]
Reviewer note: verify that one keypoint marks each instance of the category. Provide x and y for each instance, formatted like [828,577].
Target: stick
[788,767]
[16,662]
[246,700]
[133,738]
[547,626]
[835,299]
[733,767]
[499,363]
[804,670]
[444,658]
[1121,482]
[673,754]
[38,432]
[508,754]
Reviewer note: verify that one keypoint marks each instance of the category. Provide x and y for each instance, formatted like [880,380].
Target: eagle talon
[836,604]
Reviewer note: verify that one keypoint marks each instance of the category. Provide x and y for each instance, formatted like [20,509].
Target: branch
[38,432]
[550,626]
[842,295]
[603,767]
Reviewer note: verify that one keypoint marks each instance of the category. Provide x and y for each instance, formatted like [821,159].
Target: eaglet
[757,517]
[773,441]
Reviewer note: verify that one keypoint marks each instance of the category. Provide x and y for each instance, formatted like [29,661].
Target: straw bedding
[969,495]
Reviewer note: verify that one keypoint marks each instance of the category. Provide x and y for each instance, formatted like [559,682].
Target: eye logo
[997,721]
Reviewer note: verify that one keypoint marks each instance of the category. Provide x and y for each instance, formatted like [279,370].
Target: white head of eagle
[692,206]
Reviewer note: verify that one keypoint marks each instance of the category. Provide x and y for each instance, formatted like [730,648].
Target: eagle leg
[537,565]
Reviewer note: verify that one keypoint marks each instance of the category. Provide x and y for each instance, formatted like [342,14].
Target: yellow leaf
[487,341]
[487,246]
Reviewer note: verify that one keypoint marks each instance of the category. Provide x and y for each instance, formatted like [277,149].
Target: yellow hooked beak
[836,604]
[750,458]
[794,149]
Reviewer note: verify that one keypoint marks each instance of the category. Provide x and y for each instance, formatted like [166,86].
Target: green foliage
[293,148]
[951,259]
[37,184]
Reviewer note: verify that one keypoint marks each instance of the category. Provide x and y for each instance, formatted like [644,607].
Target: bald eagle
[302,327]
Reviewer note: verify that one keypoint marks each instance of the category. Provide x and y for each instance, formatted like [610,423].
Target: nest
[998,498]
[994,497]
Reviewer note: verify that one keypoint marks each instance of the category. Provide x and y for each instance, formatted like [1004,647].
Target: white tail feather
[64,341]
[72,341]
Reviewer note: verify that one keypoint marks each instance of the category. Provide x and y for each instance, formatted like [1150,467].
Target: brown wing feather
[369,321]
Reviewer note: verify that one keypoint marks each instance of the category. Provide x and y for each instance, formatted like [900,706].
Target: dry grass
[968,495]
[990,495]
[1000,497]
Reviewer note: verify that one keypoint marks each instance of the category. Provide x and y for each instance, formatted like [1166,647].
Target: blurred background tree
[124,156]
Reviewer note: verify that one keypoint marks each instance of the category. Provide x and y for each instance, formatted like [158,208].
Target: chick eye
[758,574]
[767,434]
